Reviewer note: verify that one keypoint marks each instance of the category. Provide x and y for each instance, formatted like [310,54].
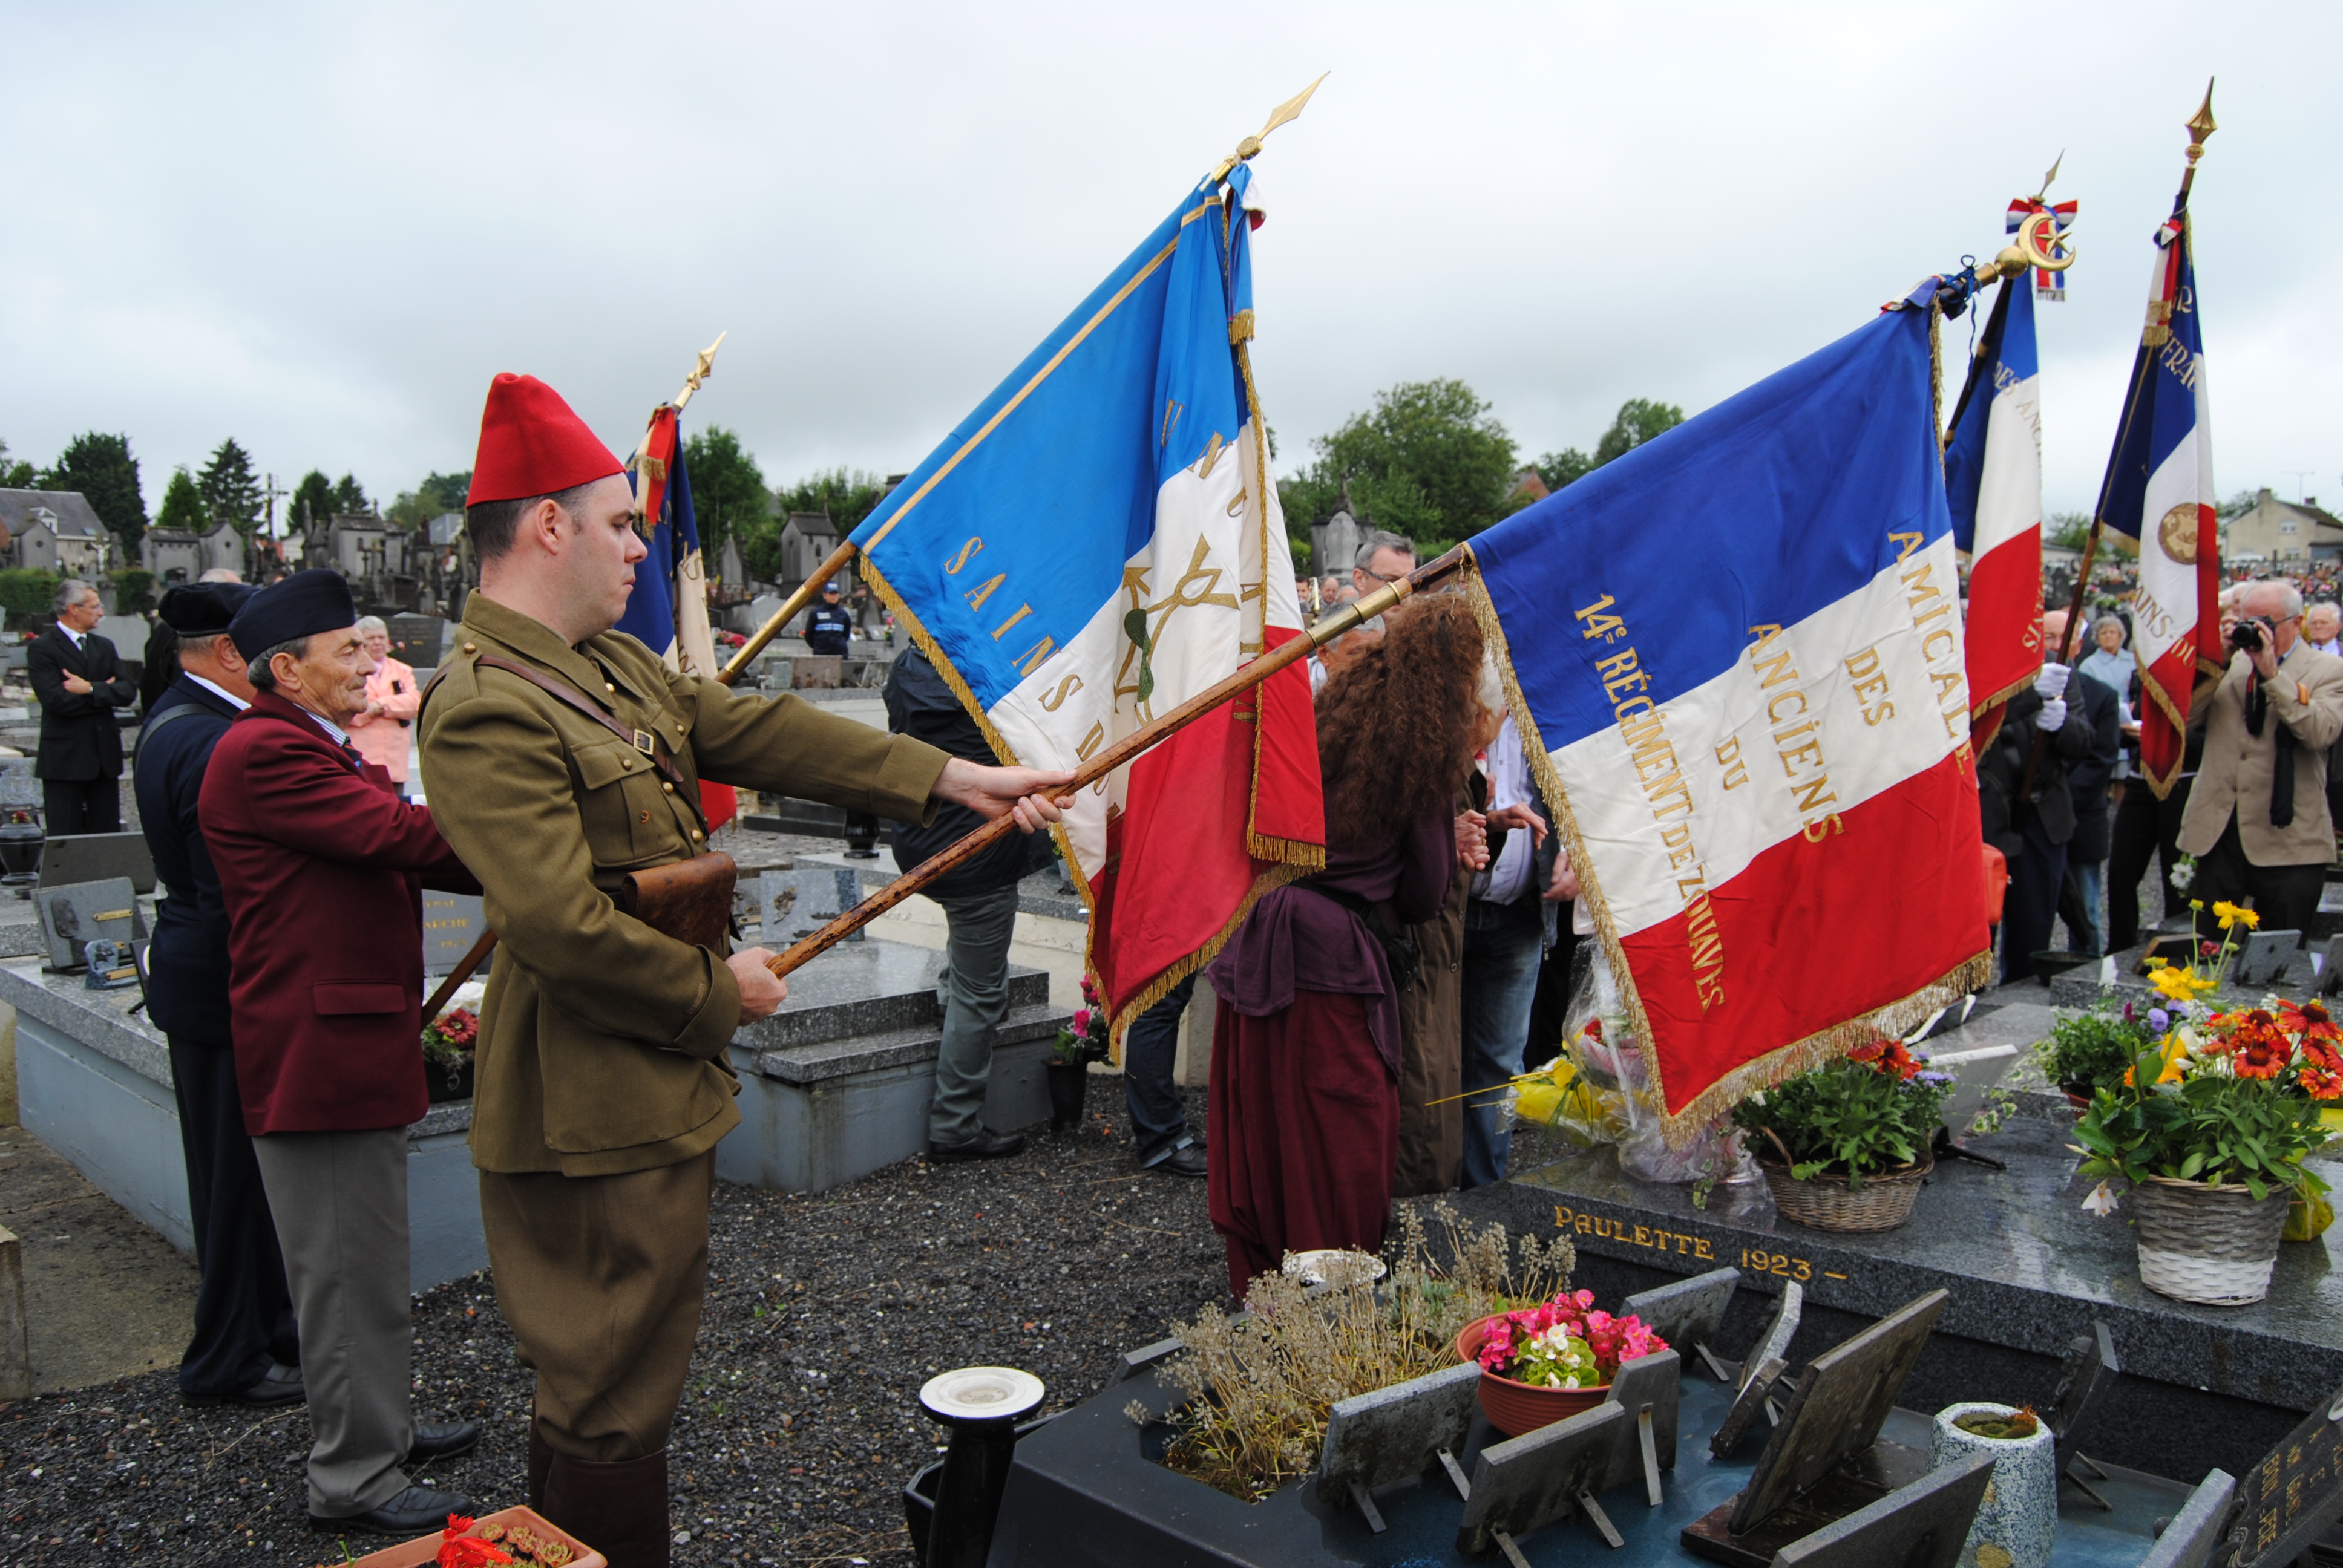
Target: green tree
[15,476]
[727,489]
[101,468]
[1429,460]
[312,500]
[230,490]
[1640,419]
[2067,530]
[349,499]
[183,504]
[133,590]
[437,495]
[1559,469]
[27,591]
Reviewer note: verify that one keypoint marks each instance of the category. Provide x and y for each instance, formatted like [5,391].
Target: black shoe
[443,1440]
[1187,1161]
[983,1146]
[411,1513]
[280,1385]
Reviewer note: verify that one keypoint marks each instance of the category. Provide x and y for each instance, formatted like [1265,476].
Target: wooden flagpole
[1112,757]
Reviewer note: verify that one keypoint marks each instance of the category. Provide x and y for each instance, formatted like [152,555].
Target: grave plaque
[1825,1460]
[1687,1312]
[1754,1376]
[2188,1541]
[1647,1388]
[2083,1379]
[72,917]
[415,639]
[97,858]
[2330,970]
[1528,1481]
[452,922]
[1393,1434]
[2288,1499]
[2262,957]
[1921,1525]
[797,903]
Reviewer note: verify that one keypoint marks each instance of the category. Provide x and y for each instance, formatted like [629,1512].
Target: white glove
[2052,682]
[2053,717]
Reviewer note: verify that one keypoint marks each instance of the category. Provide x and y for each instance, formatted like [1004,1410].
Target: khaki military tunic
[602,1042]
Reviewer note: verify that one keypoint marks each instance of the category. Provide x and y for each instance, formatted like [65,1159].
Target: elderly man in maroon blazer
[322,866]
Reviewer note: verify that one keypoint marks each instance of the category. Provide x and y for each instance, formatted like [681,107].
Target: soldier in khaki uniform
[603,1086]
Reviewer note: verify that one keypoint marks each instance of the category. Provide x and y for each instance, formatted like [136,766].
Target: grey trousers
[974,989]
[340,1204]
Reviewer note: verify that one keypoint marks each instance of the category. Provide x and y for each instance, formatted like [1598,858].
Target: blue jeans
[1159,1122]
[974,989]
[1503,944]
[2091,882]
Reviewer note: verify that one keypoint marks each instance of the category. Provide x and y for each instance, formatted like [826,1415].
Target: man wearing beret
[321,866]
[560,757]
[246,1350]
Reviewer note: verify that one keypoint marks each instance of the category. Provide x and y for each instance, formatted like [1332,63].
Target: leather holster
[690,900]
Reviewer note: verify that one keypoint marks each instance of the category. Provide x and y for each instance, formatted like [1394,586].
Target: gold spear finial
[1289,110]
[2201,124]
[2050,178]
[700,371]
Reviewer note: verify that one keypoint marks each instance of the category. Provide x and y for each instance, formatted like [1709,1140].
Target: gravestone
[2088,1372]
[816,672]
[452,922]
[18,787]
[1688,1313]
[97,858]
[415,639]
[797,903]
[2292,1497]
[1826,1460]
[1923,1524]
[2262,956]
[1532,1481]
[1395,1433]
[73,916]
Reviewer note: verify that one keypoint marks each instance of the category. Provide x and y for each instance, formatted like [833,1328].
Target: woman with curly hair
[1305,1100]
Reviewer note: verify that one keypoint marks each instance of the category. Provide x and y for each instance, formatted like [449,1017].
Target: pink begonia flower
[1081,1020]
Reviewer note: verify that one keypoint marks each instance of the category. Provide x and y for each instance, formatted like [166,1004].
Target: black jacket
[186,966]
[830,630]
[2002,769]
[79,736]
[920,705]
[2088,781]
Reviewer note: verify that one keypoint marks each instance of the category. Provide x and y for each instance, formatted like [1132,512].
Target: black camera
[2246,637]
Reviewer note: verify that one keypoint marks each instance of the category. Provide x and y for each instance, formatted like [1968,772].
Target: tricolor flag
[1097,543]
[2159,491]
[2047,285]
[669,608]
[1735,655]
[1993,478]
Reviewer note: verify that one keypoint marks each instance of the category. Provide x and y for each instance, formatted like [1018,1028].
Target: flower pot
[445,1086]
[2211,1245]
[1069,1082]
[2079,1101]
[1516,1408]
[2014,1524]
[1824,1202]
[425,1549]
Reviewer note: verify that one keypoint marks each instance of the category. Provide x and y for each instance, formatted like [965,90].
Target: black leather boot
[619,1509]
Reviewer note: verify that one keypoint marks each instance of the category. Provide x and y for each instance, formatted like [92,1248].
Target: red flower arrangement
[458,1550]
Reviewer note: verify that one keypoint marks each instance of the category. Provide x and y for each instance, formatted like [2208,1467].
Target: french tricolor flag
[1736,654]
[1099,542]
[2159,491]
[1993,480]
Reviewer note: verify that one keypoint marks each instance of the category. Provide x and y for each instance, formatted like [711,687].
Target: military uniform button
[611,689]
[668,788]
[696,835]
[471,647]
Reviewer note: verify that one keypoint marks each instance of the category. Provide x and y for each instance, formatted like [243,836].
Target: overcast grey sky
[322,229]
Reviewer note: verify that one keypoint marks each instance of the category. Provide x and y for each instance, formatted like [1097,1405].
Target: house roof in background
[69,514]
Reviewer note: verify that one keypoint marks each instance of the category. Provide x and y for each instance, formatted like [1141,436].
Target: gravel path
[800,1425]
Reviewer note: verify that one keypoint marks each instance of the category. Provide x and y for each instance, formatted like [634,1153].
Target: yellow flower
[2175,983]
[2176,1051]
[2230,914]
[2195,903]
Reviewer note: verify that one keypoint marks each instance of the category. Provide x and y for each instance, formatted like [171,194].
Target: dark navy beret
[203,609]
[303,605]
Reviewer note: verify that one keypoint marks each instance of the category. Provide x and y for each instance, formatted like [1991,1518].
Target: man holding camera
[2257,821]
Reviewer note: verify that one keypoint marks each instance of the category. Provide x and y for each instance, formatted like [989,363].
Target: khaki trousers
[339,1202]
[602,1279]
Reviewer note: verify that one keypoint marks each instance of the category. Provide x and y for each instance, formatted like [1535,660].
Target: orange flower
[2320,1083]
[2262,1052]
[2310,1020]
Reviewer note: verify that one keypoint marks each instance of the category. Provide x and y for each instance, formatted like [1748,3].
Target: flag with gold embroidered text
[1098,541]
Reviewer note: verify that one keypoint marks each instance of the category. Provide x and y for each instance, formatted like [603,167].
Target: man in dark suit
[246,1348]
[2084,887]
[79,682]
[322,867]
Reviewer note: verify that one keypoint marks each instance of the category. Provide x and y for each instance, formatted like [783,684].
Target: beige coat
[2236,771]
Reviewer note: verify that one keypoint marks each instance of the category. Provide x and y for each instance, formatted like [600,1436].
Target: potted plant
[2210,1127]
[1544,1363]
[447,1042]
[2098,1044]
[1847,1143]
[2021,1507]
[1080,1042]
